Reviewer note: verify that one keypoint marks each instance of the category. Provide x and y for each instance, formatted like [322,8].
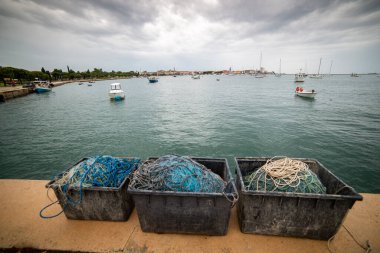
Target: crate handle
[52,216]
[235,195]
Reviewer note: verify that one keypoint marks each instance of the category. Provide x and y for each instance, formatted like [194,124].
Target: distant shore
[10,92]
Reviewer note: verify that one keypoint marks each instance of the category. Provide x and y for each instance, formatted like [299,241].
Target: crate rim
[51,183]
[356,195]
[191,194]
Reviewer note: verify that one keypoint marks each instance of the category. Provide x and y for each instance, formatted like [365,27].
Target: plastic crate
[187,212]
[98,203]
[316,216]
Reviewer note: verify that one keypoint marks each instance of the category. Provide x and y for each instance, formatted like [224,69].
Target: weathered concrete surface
[21,227]
[13,92]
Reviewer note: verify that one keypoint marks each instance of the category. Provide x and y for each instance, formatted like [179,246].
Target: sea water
[43,134]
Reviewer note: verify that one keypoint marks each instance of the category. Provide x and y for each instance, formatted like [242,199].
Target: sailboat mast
[319,68]
[261,56]
[280,67]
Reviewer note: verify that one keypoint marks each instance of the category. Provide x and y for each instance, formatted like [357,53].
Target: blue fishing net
[176,173]
[99,171]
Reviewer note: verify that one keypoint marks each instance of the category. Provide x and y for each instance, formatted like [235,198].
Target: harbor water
[43,134]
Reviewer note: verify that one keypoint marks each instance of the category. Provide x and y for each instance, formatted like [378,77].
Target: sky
[191,35]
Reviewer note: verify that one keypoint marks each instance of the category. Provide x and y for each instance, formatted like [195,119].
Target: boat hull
[153,81]
[306,94]
[42,90]
[117,96]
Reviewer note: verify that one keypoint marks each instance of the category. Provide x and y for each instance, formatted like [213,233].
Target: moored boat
[299,77]
[41,86]
[116,93]
[317,76]
[305,93]
[153,79]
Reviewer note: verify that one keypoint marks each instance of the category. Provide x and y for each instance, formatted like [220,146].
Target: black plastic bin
[98,203]
[187,212]
[316,216]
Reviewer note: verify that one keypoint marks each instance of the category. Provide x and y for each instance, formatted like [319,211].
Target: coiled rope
[176,173]
[283,174]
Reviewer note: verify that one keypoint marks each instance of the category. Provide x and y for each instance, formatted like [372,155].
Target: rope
[367,247]
[176,173]
[52,216]
[235,195]
[284,175]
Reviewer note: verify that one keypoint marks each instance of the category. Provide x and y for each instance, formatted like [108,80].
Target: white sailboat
[260,75]
[317,76]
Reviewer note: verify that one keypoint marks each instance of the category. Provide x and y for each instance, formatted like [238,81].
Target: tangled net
[284,175]
[99,171]
[176,173]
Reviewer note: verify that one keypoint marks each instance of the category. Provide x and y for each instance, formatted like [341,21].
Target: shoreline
[11,92]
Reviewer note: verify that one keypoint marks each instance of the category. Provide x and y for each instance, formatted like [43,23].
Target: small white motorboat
[41,86]
[116,93]
[299,77]
[305,93]
[196,76]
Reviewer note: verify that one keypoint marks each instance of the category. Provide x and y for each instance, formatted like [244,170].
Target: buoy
[301,89]
[297,88]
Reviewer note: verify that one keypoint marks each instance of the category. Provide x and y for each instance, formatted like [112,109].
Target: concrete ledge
[21,227]
[13,92]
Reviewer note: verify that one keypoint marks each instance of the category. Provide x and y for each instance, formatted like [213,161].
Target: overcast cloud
[190,35]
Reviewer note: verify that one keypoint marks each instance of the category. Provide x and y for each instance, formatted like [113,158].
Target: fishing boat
[153,79]
[305,93]
[41,86]
[196,76]
[299,77]
[354,75]
[116,93]
[317,76]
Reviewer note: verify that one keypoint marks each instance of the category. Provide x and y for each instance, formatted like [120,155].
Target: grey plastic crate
[187,212]
[316,216]
[98,203]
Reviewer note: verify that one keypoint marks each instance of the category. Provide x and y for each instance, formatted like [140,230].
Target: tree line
[22,75]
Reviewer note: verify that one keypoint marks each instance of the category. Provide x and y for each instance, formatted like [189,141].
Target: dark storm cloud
[82,16]
[272,16]
[178,29]
[126,16]
[123,12]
